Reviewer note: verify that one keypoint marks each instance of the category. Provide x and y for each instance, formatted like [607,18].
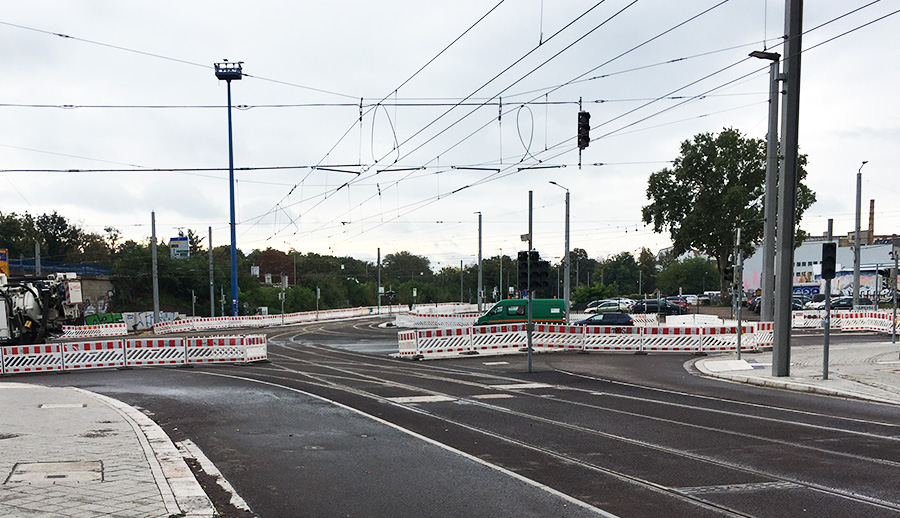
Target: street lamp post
[229,72]
[767,304]
[566,282]
[856,246]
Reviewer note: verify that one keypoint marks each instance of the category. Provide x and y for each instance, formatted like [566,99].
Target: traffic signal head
[829,255]
[523,271]
[540,275]
[584,129]
[729,274]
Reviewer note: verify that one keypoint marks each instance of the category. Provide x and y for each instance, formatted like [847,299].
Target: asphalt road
[333,427]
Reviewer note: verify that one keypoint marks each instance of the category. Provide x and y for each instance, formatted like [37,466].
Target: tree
[716,185]
[692,275]
[404,266]
[620,271]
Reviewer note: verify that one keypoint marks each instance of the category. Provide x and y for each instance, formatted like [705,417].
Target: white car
[690,299]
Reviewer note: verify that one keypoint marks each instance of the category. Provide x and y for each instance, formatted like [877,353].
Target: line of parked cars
[801,301]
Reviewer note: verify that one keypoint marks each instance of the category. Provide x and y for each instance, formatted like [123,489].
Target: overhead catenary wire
[431,200]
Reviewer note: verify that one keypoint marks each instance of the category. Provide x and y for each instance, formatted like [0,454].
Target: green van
[514,311]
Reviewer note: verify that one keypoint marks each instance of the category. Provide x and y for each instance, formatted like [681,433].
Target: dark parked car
[607,319]
[847,302]
[754,304]
[663,307]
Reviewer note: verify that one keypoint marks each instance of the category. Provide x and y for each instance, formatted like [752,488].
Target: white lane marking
[882,362]
[534,483]
[495,363]
[62,405]
[521,386]
[190,450]
[420,399]
[493,396]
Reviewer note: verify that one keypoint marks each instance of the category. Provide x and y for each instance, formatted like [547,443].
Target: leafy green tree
[404,266]
[620,271]
[692,275]
[714,186]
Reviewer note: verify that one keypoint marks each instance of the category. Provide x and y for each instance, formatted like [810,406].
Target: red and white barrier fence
[138,352]
[212,323]
[504,339]
[95,331]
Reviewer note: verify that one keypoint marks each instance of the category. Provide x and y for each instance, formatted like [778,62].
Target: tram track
[344,378]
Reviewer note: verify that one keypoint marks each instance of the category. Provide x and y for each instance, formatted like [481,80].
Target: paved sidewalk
[69,452]
[869,371]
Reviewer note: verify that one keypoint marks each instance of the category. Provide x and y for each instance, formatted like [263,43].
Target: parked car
[842,302]
[607,319]
[663,307]
[691,299]
[678,300]
[607,306]
[754,304]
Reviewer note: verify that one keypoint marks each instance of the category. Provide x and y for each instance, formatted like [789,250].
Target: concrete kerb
[851,389]
[180,491]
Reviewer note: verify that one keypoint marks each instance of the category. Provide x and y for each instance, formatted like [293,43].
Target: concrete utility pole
[767,304]
[827,313]
[229,72]
[37,258]
[379,279]
[857,243]
[155,268]
[212,290]
[480,287]
[787,191]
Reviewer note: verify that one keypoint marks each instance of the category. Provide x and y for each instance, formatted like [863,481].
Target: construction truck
[33,309]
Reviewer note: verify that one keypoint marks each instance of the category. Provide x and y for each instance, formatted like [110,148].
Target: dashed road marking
[521,386]
[421,399]
[493,396]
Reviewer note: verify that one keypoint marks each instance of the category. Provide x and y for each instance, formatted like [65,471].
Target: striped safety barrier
[18,359]
[136,352]
[118,329]
[92,355]
[679,339]
[155,351]
[215,349]
[505,339]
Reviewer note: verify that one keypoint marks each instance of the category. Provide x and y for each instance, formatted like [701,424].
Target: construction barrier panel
[141,352]
[92,355]
[433,343]
[136,352]
[764,332]
[215,349]
[671,339]
[613,339]
[17,359]
[724,339]
[499,339]
[255,348]
[506,339]
[553,337]
[213,323]
[119,329]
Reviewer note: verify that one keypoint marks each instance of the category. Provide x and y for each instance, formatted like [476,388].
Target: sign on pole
[4,262]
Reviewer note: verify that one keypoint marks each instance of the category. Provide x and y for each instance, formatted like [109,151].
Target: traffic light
[523,271]
[584,129]
[829,256]
[540,275]
[729,274]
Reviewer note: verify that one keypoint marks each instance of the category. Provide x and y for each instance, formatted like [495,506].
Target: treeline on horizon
[340,281]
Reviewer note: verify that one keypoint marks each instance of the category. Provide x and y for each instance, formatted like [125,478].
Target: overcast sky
[132,87]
